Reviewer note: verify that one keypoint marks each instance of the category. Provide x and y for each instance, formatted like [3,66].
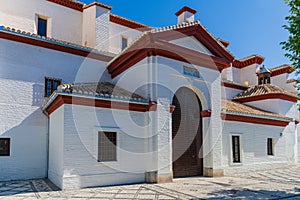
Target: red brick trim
[52,46]
[82,101]
[98,4]
[256,59]
[70,4]
[234,86]
[268,96]
[128,23]
[205,113]
[185,9]
[287,69]
[253,120]
[152,106]
[296,122]
[172,108]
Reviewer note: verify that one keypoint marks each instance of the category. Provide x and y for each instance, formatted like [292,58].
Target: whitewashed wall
[253,139]
[64,23]
[81,127]
[248,74]
[281,80]
[116,32]
[22,71]
[56,146]
[278,106]
[229,93]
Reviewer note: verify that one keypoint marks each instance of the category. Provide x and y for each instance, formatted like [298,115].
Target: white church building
[89,98]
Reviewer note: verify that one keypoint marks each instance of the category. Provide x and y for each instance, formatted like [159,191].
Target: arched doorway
[187,134]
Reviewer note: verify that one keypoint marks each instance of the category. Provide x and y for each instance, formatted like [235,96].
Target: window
[124,43]
[51,85]
[107,146]
[270,146]
[42,27]
[4,146]
[236,149]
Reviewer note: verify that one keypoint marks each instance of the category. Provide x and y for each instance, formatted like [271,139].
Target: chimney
[96,26]
[186,14]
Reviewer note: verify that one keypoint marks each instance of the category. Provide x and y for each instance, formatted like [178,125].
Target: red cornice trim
[247,62]
[288,69]
[52,46]
[185,9]
[234,86]
[157,44]
[61,99]
[70,4]
[296,122]
[152,106]
[201,35]
[167,50]
[206,113]
[98,4]
[267,96]
[172,108]
[224,42]
[128,23]
[253,120]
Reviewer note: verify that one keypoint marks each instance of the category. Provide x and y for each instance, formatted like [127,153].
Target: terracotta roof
[262,90]
[127,22]
[238,108]
[70,4]
[101,89]
[281,70]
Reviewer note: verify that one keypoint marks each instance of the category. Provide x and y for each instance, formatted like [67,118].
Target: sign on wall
[191,71]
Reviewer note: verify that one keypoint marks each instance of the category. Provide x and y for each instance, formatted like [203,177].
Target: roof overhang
[157,44]
[279,96]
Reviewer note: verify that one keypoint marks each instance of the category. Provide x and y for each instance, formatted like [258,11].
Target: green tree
[292,45]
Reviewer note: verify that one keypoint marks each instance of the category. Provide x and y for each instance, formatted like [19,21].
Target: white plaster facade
[59,139]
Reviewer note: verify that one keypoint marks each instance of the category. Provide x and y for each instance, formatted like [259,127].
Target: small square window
[236,154]
[124,43]
[51,85]
[107,146]
[42,27]
[270,147]
[4,146]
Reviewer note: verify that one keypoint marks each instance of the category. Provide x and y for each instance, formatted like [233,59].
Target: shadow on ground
[254,194]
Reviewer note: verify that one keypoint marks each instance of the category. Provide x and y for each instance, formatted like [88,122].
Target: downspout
[47,143]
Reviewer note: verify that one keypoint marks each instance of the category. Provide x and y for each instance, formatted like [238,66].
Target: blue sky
[251,26]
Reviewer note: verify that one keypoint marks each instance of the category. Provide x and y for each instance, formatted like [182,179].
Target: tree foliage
[292,45]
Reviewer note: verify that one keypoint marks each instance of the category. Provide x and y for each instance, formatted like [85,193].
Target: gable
[191,43]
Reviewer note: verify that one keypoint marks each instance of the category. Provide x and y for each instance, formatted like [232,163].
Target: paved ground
[274,184]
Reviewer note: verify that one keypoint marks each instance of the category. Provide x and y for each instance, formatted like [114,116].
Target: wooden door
[187,134]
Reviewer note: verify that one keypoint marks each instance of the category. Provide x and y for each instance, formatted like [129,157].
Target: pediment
[191,43]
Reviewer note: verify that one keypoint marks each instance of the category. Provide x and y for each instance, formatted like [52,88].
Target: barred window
[270,147]
[51,85]
[4,146]
[107,146]
[236,149]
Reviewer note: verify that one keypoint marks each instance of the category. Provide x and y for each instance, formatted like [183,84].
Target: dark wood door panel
[186,134]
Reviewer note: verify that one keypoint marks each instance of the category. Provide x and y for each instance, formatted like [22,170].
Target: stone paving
[272,184]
